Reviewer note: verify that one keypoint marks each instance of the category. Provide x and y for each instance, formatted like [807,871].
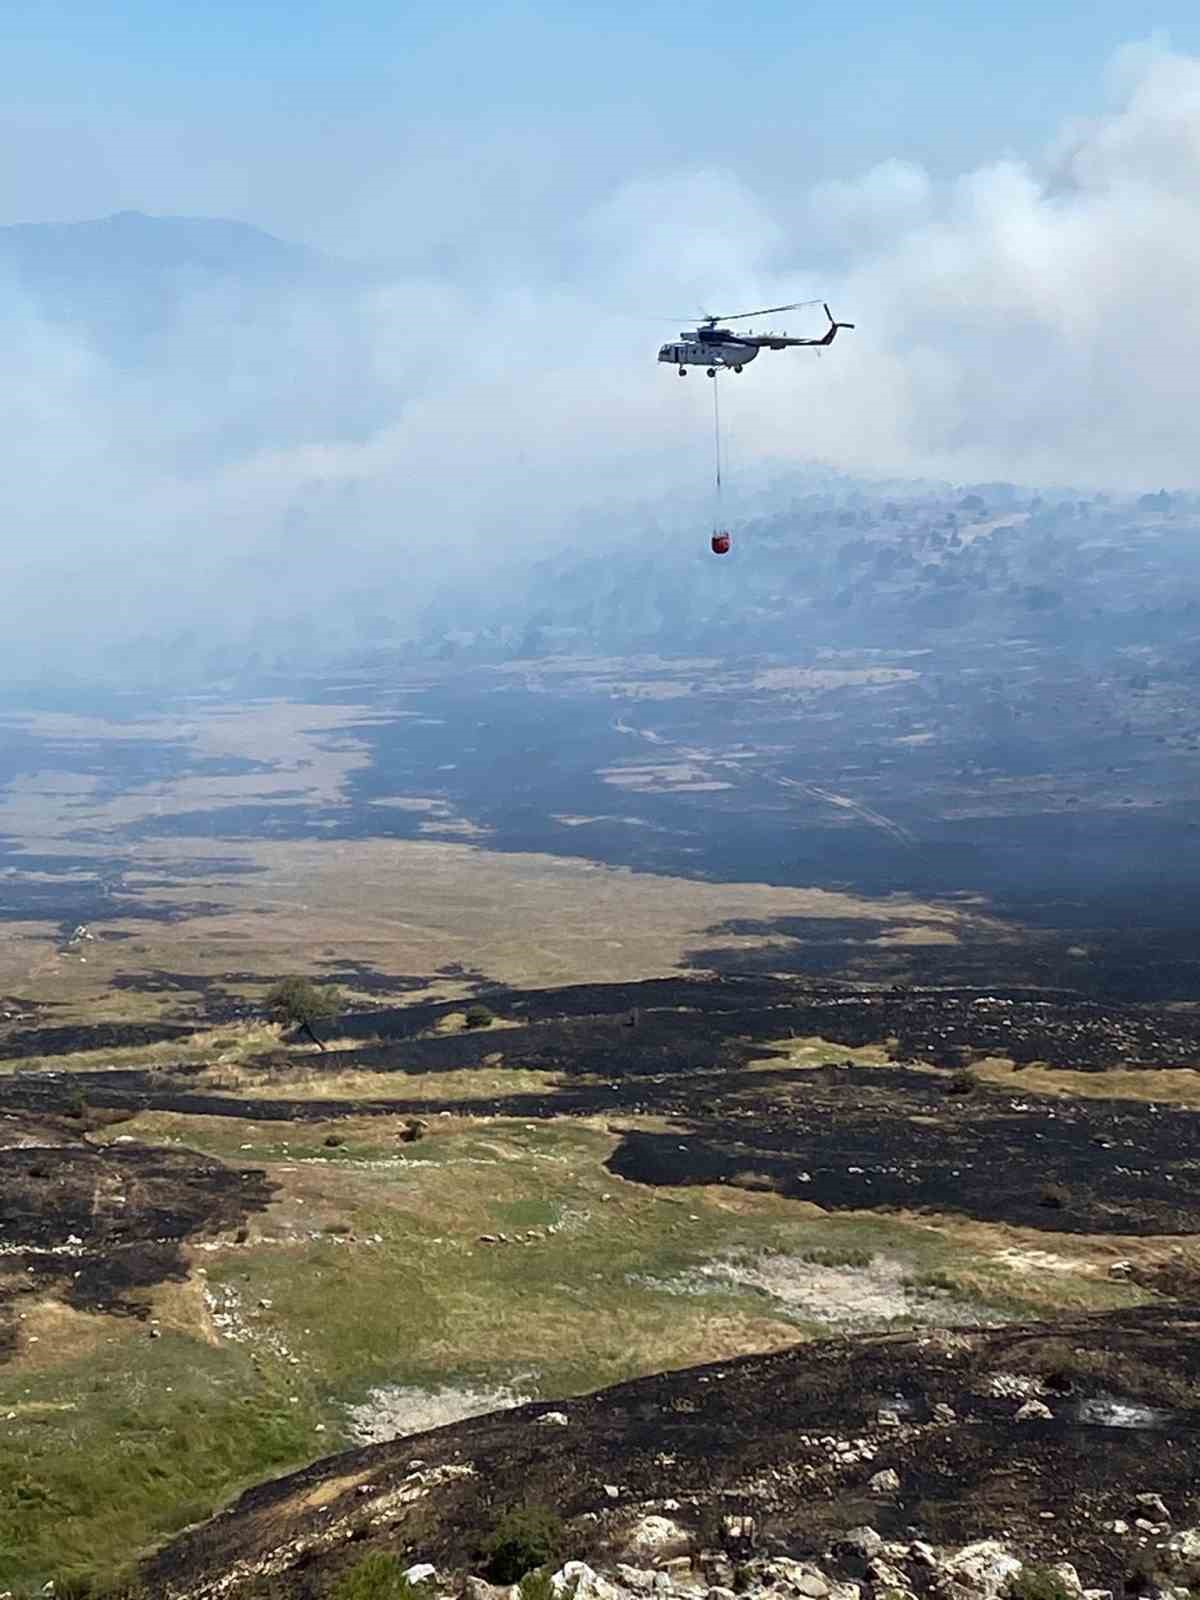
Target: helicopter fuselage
[722,352]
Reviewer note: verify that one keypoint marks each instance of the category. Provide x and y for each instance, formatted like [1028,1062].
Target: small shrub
[537,1585]
[525,1538]
[961,1082]
[1038,1583]
[478,1016]
[378,1576]
[848,1257]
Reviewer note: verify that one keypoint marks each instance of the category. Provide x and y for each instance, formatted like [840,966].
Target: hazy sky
[1006,200]
[312,116]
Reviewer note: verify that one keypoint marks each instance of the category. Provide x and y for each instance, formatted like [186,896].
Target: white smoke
[1034,321]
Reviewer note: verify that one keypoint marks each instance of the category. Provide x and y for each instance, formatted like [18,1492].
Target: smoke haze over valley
[208,429]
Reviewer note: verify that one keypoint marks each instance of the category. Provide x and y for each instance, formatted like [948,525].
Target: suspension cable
[717,452]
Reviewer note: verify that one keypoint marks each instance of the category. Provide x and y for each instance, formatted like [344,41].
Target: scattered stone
[885,1482]
[612,1491]
[1121,1269]
[584,1582]
[884,1576]
[856,1548]
[922,1554]
[718,1570]
[1186,1543]
[812,1585]
[553,1419]
[422,1572]
[480,1589]
[638,1580]
[739,1531]
[1068,1578]
[984,1567]
[1035,1410]
[1153,1505]
[886,1417]
[1118,1526]
[944,1413]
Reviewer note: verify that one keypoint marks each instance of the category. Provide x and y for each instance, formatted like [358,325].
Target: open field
[804,1026]
[353,1281]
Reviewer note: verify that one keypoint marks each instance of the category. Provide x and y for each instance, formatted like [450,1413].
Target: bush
[525,1538]
[478,1017]
[376,1577]
[537,1585]
[1038,1583]
[300,1002]
[961,1082]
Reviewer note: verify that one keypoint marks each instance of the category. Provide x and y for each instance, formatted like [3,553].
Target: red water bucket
[720,544]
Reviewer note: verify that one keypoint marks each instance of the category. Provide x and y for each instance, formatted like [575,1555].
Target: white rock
[637,1579]
[422,1572]
[1069,1578]
[1153,1506]
[922,1554]
[652,1538]
[1034,1410]
[885,1482]
[612,1491]
[985,1566]
[885,1417]
[944,1413]
[812,1585]
[481,1589]
[863,1541]
[586,1583]
[1186,1542]
[553,1419]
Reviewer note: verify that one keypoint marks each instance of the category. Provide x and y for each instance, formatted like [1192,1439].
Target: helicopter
[719,348]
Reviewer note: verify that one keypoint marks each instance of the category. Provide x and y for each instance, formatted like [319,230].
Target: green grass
[417,1300]
[162,1432]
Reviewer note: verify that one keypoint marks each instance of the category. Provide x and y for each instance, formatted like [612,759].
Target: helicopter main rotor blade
[767,311]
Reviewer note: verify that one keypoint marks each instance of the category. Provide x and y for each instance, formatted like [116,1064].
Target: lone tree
[301,1004]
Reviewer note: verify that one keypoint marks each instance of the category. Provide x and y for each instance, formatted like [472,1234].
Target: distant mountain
[123,282]
[211,335]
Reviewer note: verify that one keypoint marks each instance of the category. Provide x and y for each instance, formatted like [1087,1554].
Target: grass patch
[377,1576]
[158,1435]
[1174,1086]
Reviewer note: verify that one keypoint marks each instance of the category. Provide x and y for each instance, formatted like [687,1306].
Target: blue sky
[276,112]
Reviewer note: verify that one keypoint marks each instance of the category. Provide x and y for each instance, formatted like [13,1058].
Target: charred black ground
[746,1437]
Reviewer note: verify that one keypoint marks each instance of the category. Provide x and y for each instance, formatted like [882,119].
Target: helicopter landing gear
[712,372]
[683,372]
[737,369]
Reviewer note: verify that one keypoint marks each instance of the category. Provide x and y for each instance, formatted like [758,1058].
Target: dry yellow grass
[1175,1086]
[415,906]
[483,1084]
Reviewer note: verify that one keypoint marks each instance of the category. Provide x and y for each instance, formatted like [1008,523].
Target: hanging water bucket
[720,543]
